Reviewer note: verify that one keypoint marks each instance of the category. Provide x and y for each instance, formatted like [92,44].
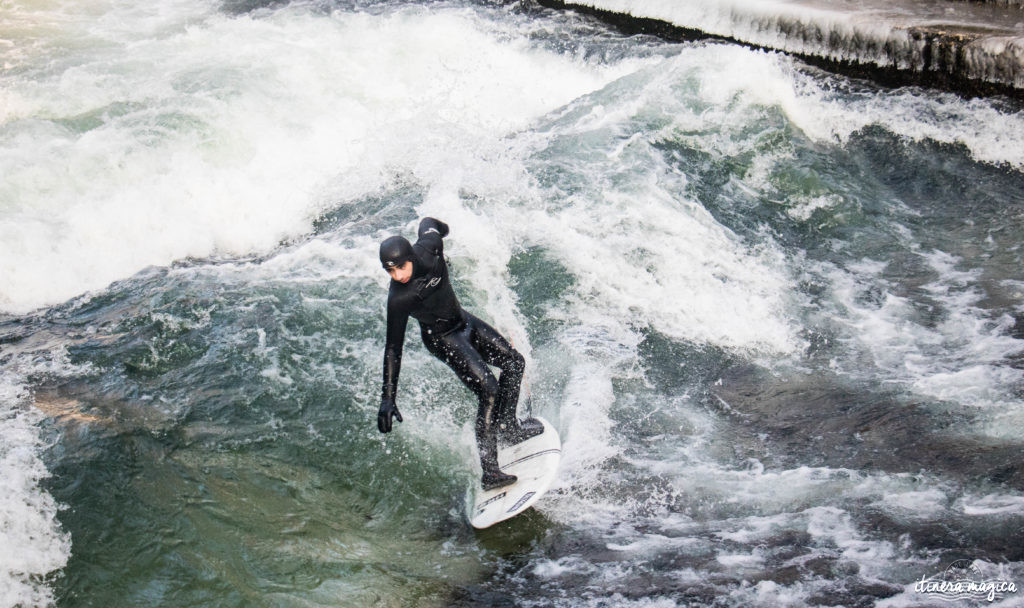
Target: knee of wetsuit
[489,389]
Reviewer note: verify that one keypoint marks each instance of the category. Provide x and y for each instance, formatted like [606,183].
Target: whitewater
[776,314]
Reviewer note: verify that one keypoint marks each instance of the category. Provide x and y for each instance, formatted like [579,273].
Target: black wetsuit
[464,342]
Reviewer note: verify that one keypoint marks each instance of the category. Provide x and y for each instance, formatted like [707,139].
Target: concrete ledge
[971,48]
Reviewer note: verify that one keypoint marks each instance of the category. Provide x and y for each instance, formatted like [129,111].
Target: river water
[777,315]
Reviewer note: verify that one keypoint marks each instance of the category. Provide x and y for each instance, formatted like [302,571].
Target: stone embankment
[970,47]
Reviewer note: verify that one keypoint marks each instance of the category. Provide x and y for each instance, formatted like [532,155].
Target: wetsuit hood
[395,251]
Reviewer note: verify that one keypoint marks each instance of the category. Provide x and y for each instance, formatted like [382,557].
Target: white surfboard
[534,462]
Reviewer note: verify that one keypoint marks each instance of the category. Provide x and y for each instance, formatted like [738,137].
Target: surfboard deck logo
[534,462]
[480,507]
[521,502]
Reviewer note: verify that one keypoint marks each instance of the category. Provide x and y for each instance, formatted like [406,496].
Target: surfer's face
[402,273]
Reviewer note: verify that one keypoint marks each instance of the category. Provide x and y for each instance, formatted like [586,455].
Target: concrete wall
[973,48]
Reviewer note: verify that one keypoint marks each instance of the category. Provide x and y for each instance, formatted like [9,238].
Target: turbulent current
[777,315]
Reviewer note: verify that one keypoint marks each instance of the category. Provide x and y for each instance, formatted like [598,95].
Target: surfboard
[534,462]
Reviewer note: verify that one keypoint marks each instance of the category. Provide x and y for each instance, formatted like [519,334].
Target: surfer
[420,288]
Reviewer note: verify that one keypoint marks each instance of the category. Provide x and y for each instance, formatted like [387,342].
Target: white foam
[251,127]
[993,504]
[570,564]
[587,444]
[612,599]
[805,207]
[962,358]
[769,594]
[34,545]
[990,134]
[734,296]
[687,276]
[765,497]
[740,560]
[836,526]
[926,503]
[830,109]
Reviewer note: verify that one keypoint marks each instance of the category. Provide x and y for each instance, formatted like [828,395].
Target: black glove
[388,410]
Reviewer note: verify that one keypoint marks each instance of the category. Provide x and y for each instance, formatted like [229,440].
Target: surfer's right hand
[388,411]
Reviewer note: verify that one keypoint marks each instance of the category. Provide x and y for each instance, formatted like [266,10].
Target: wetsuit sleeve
[397,322]
[430,234]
